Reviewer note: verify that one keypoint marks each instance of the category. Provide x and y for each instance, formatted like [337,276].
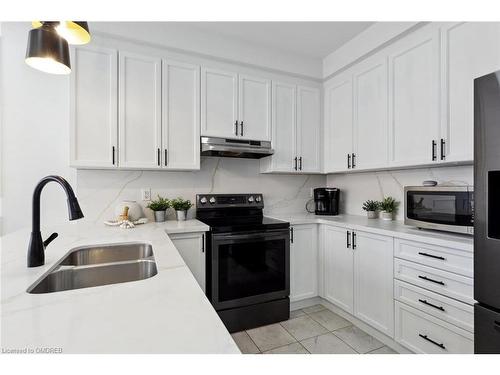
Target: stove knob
[250,199]
[212,200]
[258,199]
[203,200]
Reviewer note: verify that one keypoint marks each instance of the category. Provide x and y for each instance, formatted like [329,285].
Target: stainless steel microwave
[446,208]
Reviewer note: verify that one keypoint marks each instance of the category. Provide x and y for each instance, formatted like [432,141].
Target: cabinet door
[414,97]
[473,50]
[338,268]
[254,113]
[308,129]
[139,111]
[191,246]
[304,262]
[338,123]
[94,105]
[283,128]
[180,116]
[219,103]
[373,281]
[370,113]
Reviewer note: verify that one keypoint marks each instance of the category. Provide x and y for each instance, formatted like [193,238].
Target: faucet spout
[36,249]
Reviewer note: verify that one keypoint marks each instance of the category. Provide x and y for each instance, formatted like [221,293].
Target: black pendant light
[75,32]
[47,51]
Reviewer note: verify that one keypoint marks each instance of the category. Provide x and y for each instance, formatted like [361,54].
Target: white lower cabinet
[357,275]
[303,261]
[191,246]
[423,333]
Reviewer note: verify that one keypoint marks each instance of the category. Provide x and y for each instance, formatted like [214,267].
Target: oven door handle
[250,236]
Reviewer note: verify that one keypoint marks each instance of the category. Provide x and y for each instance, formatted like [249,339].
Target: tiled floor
[312,330]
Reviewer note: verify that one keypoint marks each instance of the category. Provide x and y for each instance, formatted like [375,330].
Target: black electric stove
[247,260]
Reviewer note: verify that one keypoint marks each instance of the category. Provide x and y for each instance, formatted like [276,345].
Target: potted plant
[181,207]
[371,207]
[159,206]
[388,206]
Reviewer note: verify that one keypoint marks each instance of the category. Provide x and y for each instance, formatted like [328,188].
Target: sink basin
[89,276]
[107,254]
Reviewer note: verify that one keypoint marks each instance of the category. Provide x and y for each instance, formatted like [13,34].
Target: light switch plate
[146,194]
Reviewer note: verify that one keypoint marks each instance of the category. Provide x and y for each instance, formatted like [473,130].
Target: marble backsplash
[99,191]
[358,187]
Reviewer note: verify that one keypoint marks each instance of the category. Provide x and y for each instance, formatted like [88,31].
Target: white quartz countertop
[388,228]
[167,313]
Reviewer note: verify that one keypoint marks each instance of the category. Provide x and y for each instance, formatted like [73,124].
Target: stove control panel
[229,200]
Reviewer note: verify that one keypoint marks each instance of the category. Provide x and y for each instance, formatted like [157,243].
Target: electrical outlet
[146,194]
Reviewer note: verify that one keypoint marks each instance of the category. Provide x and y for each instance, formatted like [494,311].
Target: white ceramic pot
[386,215]
[160,216]
[371,214]
[181,215]
[134,210]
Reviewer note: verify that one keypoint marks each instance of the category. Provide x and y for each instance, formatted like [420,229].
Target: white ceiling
[312,39]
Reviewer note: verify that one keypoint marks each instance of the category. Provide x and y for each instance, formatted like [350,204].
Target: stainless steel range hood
[235,148]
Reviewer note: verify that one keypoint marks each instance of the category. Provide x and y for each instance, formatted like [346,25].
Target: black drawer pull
[431,280]
[291,234]
[434,150]
[432,341]
[348,161]
[431,305]
[432,256]
[348,239]
[354,245]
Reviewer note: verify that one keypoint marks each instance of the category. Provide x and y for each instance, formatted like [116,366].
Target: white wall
[358,187]
[35,133]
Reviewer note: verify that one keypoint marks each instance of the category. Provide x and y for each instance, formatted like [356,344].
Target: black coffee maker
[326,201]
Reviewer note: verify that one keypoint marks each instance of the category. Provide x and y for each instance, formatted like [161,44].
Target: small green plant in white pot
[181,208]
[388,206]
[371,207]
[159,206]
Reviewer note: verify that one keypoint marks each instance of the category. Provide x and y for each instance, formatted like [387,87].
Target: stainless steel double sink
[90,266]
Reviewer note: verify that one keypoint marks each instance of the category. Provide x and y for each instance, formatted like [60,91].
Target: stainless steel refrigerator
[487,213]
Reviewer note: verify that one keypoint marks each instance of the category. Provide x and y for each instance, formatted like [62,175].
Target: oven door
[249,268]
[440,209]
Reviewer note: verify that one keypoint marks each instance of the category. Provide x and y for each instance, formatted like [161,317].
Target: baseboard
[386,340]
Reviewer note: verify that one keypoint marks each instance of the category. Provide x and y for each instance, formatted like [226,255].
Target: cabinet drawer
[442,282]
[444,258]
[423,333]
[447,309]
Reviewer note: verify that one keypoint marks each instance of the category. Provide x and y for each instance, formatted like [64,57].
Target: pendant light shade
[47,51]
[75,32]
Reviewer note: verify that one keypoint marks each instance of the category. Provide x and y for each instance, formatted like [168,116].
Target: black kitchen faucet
[36,249]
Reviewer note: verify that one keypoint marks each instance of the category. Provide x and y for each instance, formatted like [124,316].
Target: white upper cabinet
[94,106]
[139,111]
[219,103]
[303,262]
[308,129]
[338,268]
[180,116]
[473,50]
[414,98]
[370,114]
[373,281]
[338,123]
[254,114]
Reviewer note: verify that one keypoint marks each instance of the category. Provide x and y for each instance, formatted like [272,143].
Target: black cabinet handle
[348,239]
[291,234]
[353,160]
[295,167]
[202,243]
[158,157]
[443,143]
[433,150]
[431,280]
[354,240]
[431,304]
[300,163]
[236,127]
[348,161]
[113,154]
[432,341]
[432,256]
[241,130]
[166,157]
